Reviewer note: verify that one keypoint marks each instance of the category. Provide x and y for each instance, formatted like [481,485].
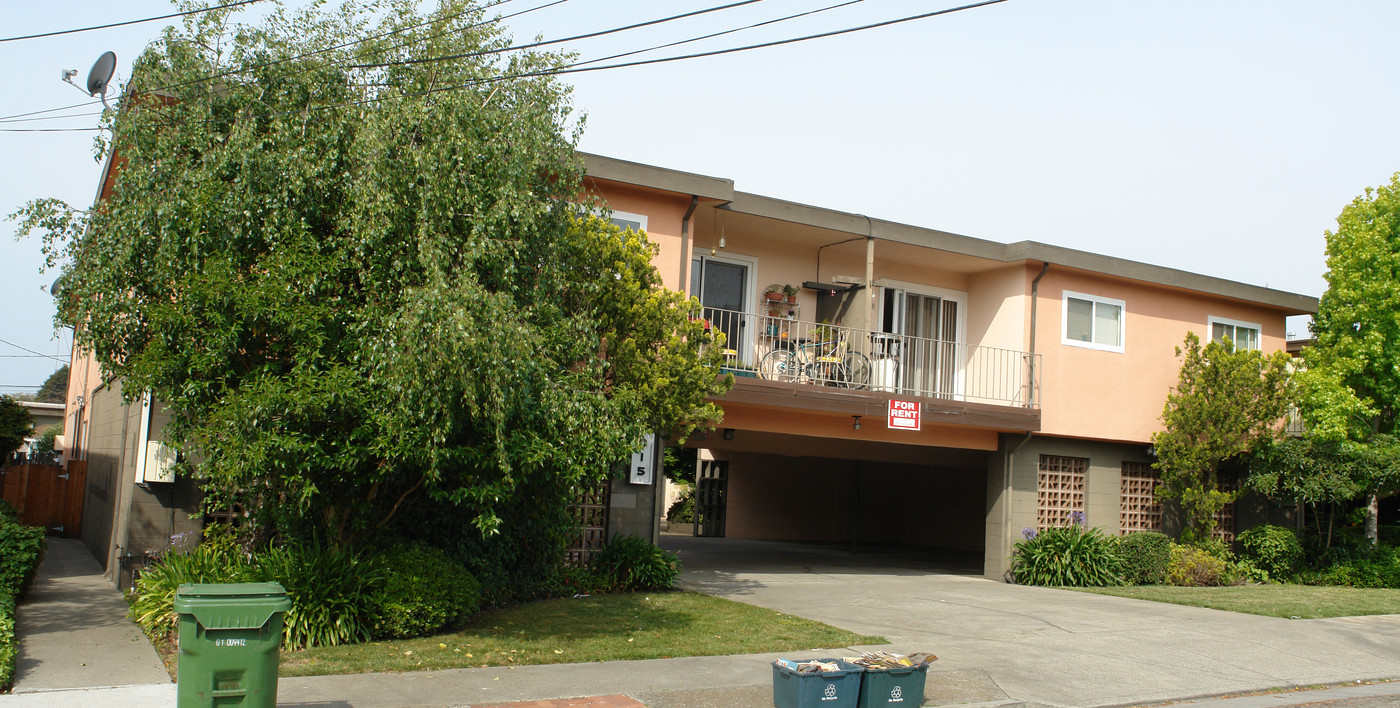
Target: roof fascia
[614,170]
[860,225]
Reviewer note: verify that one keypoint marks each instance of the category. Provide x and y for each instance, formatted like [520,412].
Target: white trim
[1211,321]
[750,296]
[956,296]
[626,215]
[1066,295]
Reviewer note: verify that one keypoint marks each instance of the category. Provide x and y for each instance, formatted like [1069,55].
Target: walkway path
[73,630]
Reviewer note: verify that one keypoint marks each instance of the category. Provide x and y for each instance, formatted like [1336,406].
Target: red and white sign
[904,415]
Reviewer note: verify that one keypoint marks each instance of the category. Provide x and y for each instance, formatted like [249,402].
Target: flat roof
[722,190]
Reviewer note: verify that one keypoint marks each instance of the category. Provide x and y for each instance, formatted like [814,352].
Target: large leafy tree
[55,387]
[15,425]
[1225,402]
[360,275]
[1351,382]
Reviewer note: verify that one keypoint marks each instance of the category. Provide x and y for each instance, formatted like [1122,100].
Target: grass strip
[586,629]
[1273,600]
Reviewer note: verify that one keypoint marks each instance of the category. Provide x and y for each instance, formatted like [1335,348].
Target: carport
[782,487]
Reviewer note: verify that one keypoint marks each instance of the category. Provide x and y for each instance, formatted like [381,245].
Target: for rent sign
[904,415]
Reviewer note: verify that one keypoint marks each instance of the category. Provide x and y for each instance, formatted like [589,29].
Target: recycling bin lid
[231,605]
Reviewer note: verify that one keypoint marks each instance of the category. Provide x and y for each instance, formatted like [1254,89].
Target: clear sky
[1215,136]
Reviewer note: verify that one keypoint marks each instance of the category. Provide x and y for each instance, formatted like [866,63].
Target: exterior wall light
[855,423]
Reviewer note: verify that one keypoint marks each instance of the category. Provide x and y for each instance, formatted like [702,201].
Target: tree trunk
[1373,513]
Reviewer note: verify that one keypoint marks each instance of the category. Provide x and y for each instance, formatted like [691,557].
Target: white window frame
[745,351]
[626,215]
[1067,295]
[1211,322]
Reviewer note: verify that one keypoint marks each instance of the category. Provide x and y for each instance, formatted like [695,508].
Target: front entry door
[722,287]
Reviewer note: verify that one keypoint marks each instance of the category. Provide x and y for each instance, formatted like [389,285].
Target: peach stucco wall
[1120,395]
[664,214]
[997,308]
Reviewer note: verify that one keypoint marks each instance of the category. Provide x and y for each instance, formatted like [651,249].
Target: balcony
[786,362]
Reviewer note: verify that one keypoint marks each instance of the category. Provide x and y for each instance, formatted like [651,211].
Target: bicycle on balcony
[827,360]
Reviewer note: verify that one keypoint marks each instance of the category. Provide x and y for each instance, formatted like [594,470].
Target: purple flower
[1076,518]
[1028,534]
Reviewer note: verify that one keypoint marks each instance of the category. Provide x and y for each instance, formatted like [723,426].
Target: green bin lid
[231,605]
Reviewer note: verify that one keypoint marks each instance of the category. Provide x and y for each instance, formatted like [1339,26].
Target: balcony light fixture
[728,433]
[855,424]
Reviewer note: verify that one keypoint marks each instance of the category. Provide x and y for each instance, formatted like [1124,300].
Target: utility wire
[578,68]
[128,22]
[534,45]
[31,120]
[715,34]
[45,130]
[362,40]
[31,351]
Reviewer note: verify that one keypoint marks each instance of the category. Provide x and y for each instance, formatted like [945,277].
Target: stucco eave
[1290,303]
[612,169]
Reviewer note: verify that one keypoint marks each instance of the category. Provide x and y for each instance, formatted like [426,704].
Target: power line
[31,120]
[46,130]
[534,45]
[31,351]
[579,68]
[128,22]
[715,34]
[324,50]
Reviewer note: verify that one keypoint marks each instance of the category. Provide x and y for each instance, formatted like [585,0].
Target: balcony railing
[780,349]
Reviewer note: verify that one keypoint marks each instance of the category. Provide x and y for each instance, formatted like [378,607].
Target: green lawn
[1290,601]
[601,628]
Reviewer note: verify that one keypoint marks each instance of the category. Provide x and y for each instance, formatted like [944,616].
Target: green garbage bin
[229,637]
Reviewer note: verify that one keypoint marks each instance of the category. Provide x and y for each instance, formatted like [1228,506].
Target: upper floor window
[626,220]
[1245,335]
[1093,322]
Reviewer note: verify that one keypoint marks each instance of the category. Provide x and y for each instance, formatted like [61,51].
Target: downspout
[870,272]
[1035,301]
[685,236]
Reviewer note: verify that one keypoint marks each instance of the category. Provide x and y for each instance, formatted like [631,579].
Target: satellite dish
[101,75]
[57,288]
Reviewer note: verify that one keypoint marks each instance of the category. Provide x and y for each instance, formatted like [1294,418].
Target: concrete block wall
[1009,511]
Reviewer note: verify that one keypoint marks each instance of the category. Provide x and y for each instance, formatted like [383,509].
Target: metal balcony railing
[780,349]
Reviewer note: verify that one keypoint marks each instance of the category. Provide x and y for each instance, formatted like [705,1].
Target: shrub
[21,549]
[1377,567]
[1273,549]
[632,563]
[332,592]
[682,511]
[1192,566]
[218,560]
[1145,556]
[8,513]
[8,643]
[424,591]
[1066,556]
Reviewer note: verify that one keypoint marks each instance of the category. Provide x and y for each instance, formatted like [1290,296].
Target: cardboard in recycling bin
[817,689]
[892,688]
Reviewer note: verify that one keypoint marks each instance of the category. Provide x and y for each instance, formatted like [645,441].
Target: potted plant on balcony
[774,293]
[791,292]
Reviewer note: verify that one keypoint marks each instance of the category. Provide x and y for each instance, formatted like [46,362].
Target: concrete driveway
[1040,646]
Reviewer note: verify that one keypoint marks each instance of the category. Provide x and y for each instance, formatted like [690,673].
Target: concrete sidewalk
[1000,645]
[73,630]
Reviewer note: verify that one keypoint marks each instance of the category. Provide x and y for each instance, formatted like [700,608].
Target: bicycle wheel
[780,365]
[856,367]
